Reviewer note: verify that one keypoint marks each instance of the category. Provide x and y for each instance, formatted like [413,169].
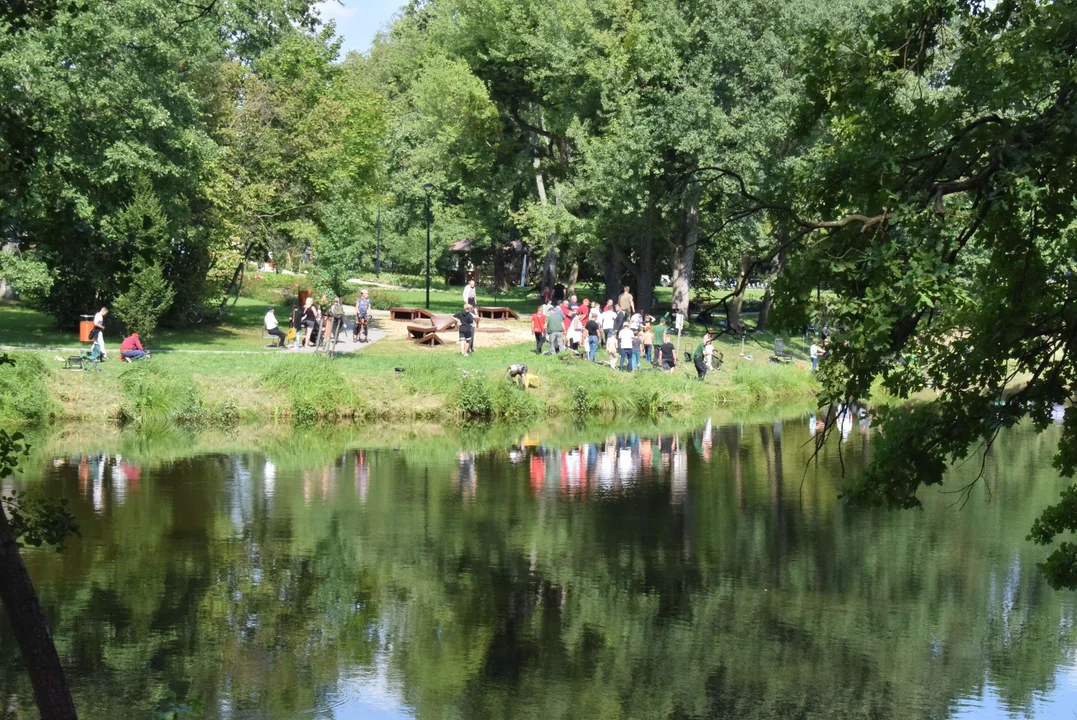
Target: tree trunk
[768,297]
[502,271]
[235,279]
[735,307]
[764,309]
[573,276]
[645,274]
[684,255]
[51,693]
[549,269]
[611,274]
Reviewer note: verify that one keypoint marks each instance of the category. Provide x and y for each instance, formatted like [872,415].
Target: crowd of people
[626,334]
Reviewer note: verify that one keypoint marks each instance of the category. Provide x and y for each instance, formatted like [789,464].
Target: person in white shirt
[637,320]
[97,334]
[625,342]
[708,356]
[606,318]
[273,327]
[470,294]
[816,352]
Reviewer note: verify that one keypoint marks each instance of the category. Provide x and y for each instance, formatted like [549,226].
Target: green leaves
[34,520]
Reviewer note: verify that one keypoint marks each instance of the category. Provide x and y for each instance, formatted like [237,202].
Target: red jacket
[538,323]
[131,342]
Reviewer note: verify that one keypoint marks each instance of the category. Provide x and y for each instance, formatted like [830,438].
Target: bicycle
[362,329]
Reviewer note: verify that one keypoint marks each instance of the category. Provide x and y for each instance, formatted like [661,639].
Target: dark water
[698,574]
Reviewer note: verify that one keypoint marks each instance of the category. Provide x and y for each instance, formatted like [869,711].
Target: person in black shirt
[593,329]
[467,328]
[558,293]
[669,356]
[310,320]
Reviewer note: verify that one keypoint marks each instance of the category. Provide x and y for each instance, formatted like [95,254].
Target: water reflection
[697,573]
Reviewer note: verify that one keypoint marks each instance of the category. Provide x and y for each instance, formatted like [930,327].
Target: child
[637,346]
[611,348]
[708,355]
[648,345]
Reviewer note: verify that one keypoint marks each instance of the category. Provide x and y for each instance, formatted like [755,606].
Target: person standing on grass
[131,348]
[815,352]
[471,295]
[555,328]
[637,346]
[626,302]
[467,328]
[272,327]
[612,349]
[558,293]
[668,355]
[97,333]
[606,318]
[648,345]
[474,330]
[624,341]
[593,332]
[575,332]
[698,357]
[538,326]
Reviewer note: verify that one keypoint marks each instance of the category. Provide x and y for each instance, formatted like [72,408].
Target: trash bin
[85,327]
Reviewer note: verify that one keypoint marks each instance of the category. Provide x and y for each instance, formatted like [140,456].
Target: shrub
[313,388]
[23,396]
[29,276]
[473,395]
[509,402]
[384,299]
[154,398]
[147,299]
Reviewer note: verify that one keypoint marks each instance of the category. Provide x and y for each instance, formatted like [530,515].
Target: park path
[344,345]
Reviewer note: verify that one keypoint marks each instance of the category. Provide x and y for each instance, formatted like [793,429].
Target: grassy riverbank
[434,386]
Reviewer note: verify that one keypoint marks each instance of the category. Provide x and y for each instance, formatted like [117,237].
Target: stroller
[88,360]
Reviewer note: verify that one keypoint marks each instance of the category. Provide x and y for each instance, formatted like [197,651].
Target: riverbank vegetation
[222,390]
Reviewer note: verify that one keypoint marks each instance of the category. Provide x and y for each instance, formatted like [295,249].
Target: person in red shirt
[131,348]
[538,326]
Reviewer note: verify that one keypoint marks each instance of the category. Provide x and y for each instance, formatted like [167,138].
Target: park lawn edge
[230,390]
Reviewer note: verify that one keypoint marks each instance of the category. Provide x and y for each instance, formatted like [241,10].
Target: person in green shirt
[659,333]
[697,357]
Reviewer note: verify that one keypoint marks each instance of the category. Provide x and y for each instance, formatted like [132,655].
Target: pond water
[705,573]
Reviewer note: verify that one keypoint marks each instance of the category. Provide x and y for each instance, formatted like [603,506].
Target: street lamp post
[427,187]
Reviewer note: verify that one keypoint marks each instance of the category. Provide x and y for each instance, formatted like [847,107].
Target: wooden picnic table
[497,313]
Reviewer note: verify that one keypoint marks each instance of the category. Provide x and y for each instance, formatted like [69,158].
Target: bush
[473,395]
[509,402]
[314,389]
[28,276]
[23,396]
[154,398]
[384,299]
[147,299]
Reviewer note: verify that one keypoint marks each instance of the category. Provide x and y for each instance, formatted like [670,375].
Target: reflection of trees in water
[749,596]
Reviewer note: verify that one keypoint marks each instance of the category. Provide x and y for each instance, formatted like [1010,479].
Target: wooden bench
[409,314]
[497,313]
[427,334]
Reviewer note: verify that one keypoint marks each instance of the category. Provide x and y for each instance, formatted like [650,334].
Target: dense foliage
[903,170]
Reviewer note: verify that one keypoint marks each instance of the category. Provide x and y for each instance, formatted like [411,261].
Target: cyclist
[362,317]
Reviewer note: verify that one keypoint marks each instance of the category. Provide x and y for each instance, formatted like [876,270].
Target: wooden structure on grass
[427,334]
[409,314]
[497,313]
